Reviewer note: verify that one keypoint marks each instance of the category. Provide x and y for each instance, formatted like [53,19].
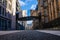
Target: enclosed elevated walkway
[28,18]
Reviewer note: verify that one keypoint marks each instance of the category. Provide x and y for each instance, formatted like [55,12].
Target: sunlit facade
[50,10]
[24,14]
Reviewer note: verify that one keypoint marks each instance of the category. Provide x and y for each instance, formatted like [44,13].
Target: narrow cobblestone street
[28,35]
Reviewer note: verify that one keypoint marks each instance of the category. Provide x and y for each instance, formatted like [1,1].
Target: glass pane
[0,10]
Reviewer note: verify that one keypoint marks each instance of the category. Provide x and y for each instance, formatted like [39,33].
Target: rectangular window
[0,1]
[53,7]
[45,4]
[5,3]
[41,2]
[42,19]
[5,24]
[3,11]
[57,6]
[9,24]
[9,15]
[0,10]
[46,19]
[9,6]
[59,14]
[45,12]
[0,24]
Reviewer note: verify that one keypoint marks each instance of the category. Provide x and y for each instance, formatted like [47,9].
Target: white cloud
[33,7]
[29,0]
[21,3]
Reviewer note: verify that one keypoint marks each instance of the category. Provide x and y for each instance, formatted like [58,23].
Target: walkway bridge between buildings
[51,24]
[28,18]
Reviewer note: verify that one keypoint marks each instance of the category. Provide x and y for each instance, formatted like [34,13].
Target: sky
[28,5]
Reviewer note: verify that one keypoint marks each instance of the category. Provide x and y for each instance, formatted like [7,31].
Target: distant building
[19,24]
[7,14]
[29,27]
[35,23]
[24,14]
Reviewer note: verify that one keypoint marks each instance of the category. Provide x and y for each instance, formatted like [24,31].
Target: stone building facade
[50,13]
[7,14]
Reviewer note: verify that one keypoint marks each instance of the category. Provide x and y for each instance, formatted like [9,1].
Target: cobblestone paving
[29,35]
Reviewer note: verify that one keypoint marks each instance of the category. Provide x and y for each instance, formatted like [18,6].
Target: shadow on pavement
[29,35]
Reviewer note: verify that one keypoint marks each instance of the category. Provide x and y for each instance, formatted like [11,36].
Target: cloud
[21,3]
[33,7]
[29,0]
